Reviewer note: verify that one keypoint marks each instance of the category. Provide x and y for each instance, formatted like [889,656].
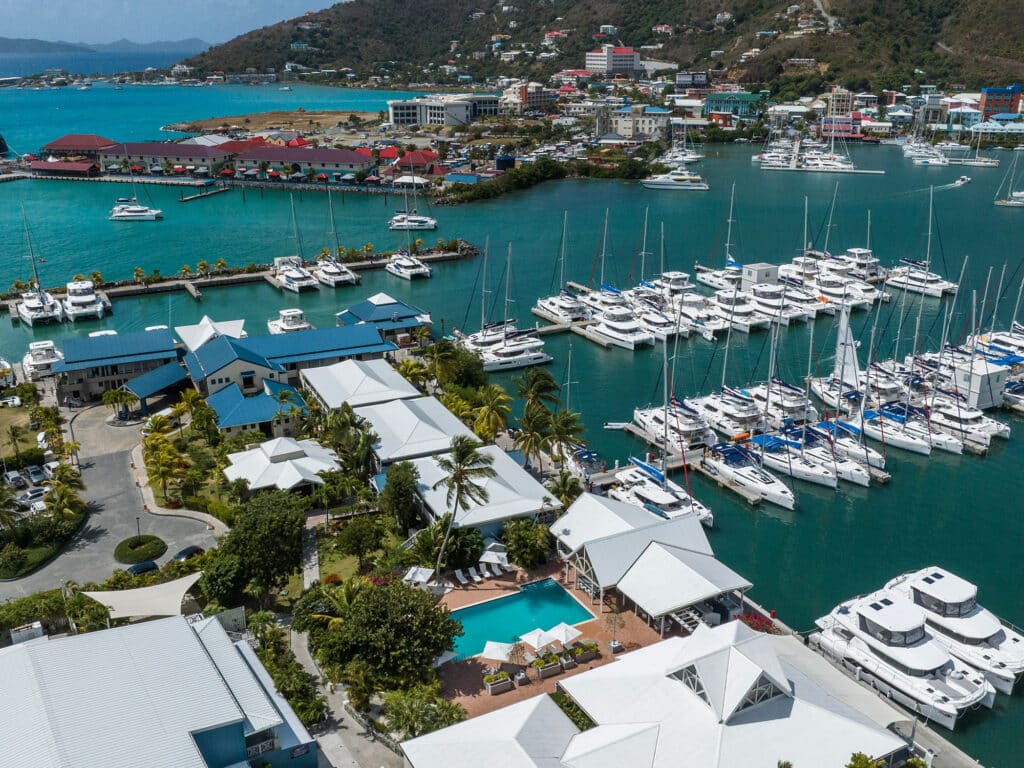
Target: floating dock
[207,193]
[746,494]
[194,292]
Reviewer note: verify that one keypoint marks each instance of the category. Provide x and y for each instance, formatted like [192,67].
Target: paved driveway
[115,504]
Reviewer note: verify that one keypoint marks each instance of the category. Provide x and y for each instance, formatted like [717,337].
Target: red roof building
[301,159]
[85,144]
[65,168]
[388,153]
[416,160]
[238,146]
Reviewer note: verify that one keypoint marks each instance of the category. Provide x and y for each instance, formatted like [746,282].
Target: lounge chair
[461,577]
[474,575]
[529,657]
[486,571]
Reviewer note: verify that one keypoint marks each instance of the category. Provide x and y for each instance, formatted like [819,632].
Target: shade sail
[158,600]
[563,633]
[495,651]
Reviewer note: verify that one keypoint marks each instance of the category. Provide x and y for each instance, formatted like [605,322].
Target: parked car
[11,402]
[15,480]
[35,474]
[146,566]
[27,499]
[49,468]
[38,507]
[187,552]
[74,402]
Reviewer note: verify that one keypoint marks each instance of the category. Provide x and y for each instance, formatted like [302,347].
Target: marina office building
[442,109]
[94,364]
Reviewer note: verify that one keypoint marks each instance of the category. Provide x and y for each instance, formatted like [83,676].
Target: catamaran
[565,307]
[407,267]
[38,361]
[36,305]
[644,485]
[81,301]
[289,321]
[332,274]
[738,466]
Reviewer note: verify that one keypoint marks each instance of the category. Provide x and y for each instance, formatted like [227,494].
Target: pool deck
[462,681]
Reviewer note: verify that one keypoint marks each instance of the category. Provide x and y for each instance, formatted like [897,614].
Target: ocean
[957,511]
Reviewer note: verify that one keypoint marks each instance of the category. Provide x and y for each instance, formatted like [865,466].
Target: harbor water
[962,512]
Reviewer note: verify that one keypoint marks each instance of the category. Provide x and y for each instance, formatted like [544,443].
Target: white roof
[890,610]
[194,336]
[593,517]
[511,493]
[409,429]
[665,579]
[157,600]
[283,463]
[943,585]
[119,698]
[358,383]
[613,746]
[528,734]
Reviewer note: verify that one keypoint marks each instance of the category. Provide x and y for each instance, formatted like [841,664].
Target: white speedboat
[771,300]
[968,631]
[81,301]
[677,179]
[38,361]
[289,321]
[38,307]
[883,638]
[617,326]
[961,180]
[134,212]
[685,430]
[410,221]
[733,413]
[735,308]
[643,485]
[786,458]
[913,276]
[564,308]
[736,465]
[407,267]
[292,276]
[330,273]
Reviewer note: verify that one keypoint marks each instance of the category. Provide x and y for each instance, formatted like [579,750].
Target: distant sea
[99,63]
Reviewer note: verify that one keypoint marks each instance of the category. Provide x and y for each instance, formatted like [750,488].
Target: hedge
[136,549]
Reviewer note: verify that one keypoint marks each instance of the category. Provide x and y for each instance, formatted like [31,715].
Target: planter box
[567,663]
[548,670]
[615,646]
[586,656]
[522,679]
[499,686]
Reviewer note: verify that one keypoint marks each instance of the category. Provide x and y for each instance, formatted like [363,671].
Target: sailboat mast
[1016,305]
[483,285]
[868,244]
[31,253]
[728,229]
[604,243]
[508,284]
[804,244]
[330,208]
[565,229]
[831,213]
[728,336]
[568,379]
[664,440]
[663,261]
[995,303]
[295,227]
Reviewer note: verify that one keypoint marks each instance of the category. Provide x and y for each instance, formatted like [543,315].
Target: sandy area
[290,120]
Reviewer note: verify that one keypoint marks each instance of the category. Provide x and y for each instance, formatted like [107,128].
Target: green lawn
[18,416]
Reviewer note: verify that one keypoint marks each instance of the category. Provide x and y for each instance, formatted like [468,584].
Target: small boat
[677,180]
[738,466]
[961,181]
[914,276]
[104,332]
[407,267]
[411,221]
[289,321]
[618,327]
[330,273]
[38,361]
[134,212]
[292,276]
[81,301]
[285,88]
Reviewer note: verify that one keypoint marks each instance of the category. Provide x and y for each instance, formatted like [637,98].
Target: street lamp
[138,531]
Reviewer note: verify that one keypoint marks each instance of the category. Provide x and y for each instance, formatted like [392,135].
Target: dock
[207,193]
[107,304]
[878,476]
[194,292]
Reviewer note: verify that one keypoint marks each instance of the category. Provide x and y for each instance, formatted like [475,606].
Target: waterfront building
[77,145]
[410,429]
[740,104]
[148,155]
[356,382]
[394,319]
[94,364]
[276,411]
[159,693]
[1000,100]
[512,493]
[641,121]
[55,167]
[306,159]
[611,60]
[442,109]
[283,463]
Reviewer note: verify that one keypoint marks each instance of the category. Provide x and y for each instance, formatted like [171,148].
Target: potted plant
[498,682]
[584,652]
[546,666]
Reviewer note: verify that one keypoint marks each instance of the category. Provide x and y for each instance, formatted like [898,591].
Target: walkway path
[149,499]
[310,558]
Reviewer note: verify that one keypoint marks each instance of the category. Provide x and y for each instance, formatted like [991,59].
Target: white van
[49,468]
[167,413]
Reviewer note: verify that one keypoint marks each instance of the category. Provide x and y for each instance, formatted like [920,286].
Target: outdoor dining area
[546,652]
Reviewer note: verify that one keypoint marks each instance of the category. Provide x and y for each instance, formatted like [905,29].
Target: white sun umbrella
[563,633]
[536,638]
[495,651]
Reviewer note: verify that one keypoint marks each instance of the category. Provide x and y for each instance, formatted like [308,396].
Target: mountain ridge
[187,46]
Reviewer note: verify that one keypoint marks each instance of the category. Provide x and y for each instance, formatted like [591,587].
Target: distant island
[192,45]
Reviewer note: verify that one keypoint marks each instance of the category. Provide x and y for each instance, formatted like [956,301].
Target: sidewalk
[310,558]
[149,500]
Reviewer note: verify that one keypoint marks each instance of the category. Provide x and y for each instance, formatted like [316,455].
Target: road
[831,20]
[115,505]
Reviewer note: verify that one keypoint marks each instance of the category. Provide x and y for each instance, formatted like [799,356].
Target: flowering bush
[760,623]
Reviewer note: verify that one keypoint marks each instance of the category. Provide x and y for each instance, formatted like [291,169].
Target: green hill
[865,43]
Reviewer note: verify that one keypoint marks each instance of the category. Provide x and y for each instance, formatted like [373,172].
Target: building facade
[1000,101]
[442,109]
[739,104]
[641,121]
[611,60]
[94,364]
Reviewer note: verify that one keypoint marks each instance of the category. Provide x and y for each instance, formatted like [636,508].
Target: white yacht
[969,424]
[407,267]
[488,337]
[731,412]
[968,631]
[658,323]
[735,308]
[81,301]
[37,307]
[564,308]
[686,428]
[772,301]
[786,458]
[817,447]
[736,465]
[812,302]
[914,276]
[617,326]
[914,421]
[330,273]
[645,486]
[862,264]
[515,352]
[701,315]
[783,403]
[846,440]
[720,279]
[677,179]
[133,211]
[673,283]
[292,276]
[288,321]
[38,361]
[605,298]
[411,221]
[882,636]
[891,432]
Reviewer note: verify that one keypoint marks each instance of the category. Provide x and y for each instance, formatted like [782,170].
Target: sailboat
[916,276]
[565,307]
[290,274]
[1011,198]
[129,208]
[408,219]
[328,271]
[723,279]
[514,348]
[36,305]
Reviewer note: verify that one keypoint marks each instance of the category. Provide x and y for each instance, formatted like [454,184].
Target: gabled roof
[88,351]
[383,309]
[220,352]
[80,142]
[416,157]
[166,149]
[283,463]
[294,154]
[157,380]
[613,746]
[358,383]
[318,343]
[194,336]
[593,517]
[234,409]
[62,166]
[409,429]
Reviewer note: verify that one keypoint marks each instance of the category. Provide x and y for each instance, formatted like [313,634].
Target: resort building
[641,121]
[207,329]
[611,60]
[395,319]
[356,382]
[155,156]
[94,364]
[77,145]
[305,159]
[410,429]
[442,109]
[511,493]
[158,693]
[283,463]
[276,411]
[740,104]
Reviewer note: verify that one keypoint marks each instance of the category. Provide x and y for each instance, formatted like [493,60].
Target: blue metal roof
[369,312]
[234,409]
[380,347]
[62,366]
[222,351]
[157,380]
[90,351]
[323,342]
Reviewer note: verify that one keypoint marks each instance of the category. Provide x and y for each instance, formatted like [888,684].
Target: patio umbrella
[418,575]
[536,638]
[563,633]
[495,651]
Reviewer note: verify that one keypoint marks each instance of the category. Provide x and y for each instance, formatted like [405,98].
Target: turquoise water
[542,605]
[962,512]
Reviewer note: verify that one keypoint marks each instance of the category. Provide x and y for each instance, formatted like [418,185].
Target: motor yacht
[288,321]
[410,221]
[701,315]
[812,302]
[843,291]
[37,307]
[605,298]
[330,273]
[132,211]
[883,638]
[38,361]
[731,412]
[785,457]
[862,264]
[782,403]
[914,276]
[643,485]
[677,179]
[515,352]
[771,300]
[618,327]
[957,418]
[81,301]
[292,276]
[720,279]
[673,283]
[685,430]
[968,631]
[407,267]
[655,321]
[736,465]
[563,308]
[735,307]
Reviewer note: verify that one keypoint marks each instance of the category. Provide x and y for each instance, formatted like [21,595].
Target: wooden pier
[207,193]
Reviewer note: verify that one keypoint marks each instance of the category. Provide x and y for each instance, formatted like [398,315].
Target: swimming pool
[540,604]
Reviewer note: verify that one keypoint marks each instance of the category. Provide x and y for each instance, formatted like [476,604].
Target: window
[762,690]
[691,679]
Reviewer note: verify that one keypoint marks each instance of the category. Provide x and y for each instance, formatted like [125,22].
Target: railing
[258,749]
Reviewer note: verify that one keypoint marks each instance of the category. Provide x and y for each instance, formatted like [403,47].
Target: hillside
[29,45]
[859,43]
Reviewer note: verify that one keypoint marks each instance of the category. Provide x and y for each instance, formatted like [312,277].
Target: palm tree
[139,275]
[566,431]
[338,601]
[566,487]
[191,399]
[442,356]
[463,468]
[164,463]
[97,278]
[358,460]
[159,424]
[458,406]
[185,271]
[14,434]
[534,435]
[202,267]
[8,508]
[63,501]
[69,477]
[537,387]
[413,371]
[491,416]
[71,451]
[178,410]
